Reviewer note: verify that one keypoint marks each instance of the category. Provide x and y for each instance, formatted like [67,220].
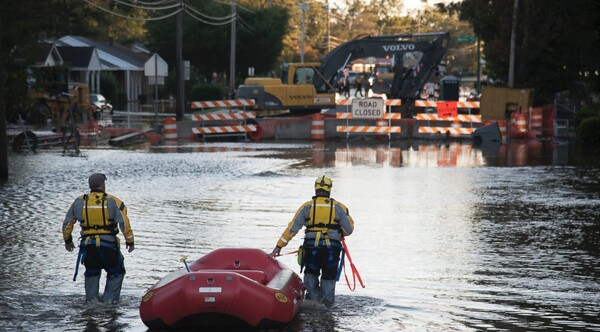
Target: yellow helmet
[324,183]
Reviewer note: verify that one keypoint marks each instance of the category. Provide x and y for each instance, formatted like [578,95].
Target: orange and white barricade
[536,122]
[382,124]
[243,103]
[455,125]
[170,129]
[317,127]
[239,129]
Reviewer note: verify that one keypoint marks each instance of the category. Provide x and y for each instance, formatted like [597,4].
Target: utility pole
[180,100]
[232,54]
[3,137]
[303,8]
[478,64]
[328,29]
[513,37]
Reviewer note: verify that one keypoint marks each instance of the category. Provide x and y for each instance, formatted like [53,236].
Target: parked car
[99,102]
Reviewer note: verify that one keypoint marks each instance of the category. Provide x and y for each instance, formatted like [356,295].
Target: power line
[174,5]
[207,22]
[183,6]
[131,17]
[228,17]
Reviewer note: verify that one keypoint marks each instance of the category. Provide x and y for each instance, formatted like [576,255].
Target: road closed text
[368,108]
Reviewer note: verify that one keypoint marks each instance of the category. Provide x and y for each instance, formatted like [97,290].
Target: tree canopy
[207,44]
[557,43]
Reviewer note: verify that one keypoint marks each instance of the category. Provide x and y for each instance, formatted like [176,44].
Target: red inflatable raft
[226,288]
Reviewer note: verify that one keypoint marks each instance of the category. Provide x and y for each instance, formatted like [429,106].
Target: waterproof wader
[325,260]
[98,255]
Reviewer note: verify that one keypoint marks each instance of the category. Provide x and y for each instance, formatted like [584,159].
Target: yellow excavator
[58,104]
[64,106]
[311,87]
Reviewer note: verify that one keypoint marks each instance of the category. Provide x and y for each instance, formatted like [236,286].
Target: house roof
[79,57]
[112,56]
[45,54]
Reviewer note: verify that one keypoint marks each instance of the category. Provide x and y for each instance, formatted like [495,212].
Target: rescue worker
[326,221]
[100,216]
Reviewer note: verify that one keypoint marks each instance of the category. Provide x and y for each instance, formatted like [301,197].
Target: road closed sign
[368,108]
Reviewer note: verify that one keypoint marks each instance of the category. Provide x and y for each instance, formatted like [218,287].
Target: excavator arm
[407,82]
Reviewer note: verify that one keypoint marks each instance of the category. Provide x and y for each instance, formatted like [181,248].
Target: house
[84,65]
[126,64]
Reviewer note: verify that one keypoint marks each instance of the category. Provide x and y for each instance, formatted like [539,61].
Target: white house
[127,64]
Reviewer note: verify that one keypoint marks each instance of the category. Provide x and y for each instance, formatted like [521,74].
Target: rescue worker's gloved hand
[130,247]
[275,252]
[69,246]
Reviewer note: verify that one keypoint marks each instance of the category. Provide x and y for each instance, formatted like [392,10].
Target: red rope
[289,253]
[355,274]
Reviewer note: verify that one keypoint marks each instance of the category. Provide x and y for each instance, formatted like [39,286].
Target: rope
[355,274]
[289,253]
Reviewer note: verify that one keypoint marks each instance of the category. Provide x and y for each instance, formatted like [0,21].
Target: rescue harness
[96,222]
[322,212]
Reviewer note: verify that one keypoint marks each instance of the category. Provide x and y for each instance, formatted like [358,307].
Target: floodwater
[449,237]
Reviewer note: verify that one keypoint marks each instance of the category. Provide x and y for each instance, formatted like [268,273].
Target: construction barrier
[536,122]
[223,103]
[170,129]
[317,127]
[240,129]
[382,126]
[451,125]
[388,102]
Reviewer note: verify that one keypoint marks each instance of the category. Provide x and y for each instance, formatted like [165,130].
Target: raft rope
[355,274]
[289,253]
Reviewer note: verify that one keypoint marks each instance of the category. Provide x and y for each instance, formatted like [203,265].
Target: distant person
[358,83]
[100,216]
[326,221]
[347,87]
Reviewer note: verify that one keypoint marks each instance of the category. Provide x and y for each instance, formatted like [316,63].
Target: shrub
[585,113]
[588,130]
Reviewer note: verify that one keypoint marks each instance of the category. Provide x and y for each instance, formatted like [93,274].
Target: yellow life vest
[322,218]
[96,219]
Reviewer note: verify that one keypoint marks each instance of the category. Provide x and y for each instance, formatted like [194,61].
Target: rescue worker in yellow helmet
[100,216]
[326,221]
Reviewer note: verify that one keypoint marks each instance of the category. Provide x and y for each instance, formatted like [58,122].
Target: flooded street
[449,237]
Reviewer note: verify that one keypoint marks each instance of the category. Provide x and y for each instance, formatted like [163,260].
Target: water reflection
[426,153]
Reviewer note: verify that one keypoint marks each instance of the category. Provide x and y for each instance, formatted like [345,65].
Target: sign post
[154,69]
